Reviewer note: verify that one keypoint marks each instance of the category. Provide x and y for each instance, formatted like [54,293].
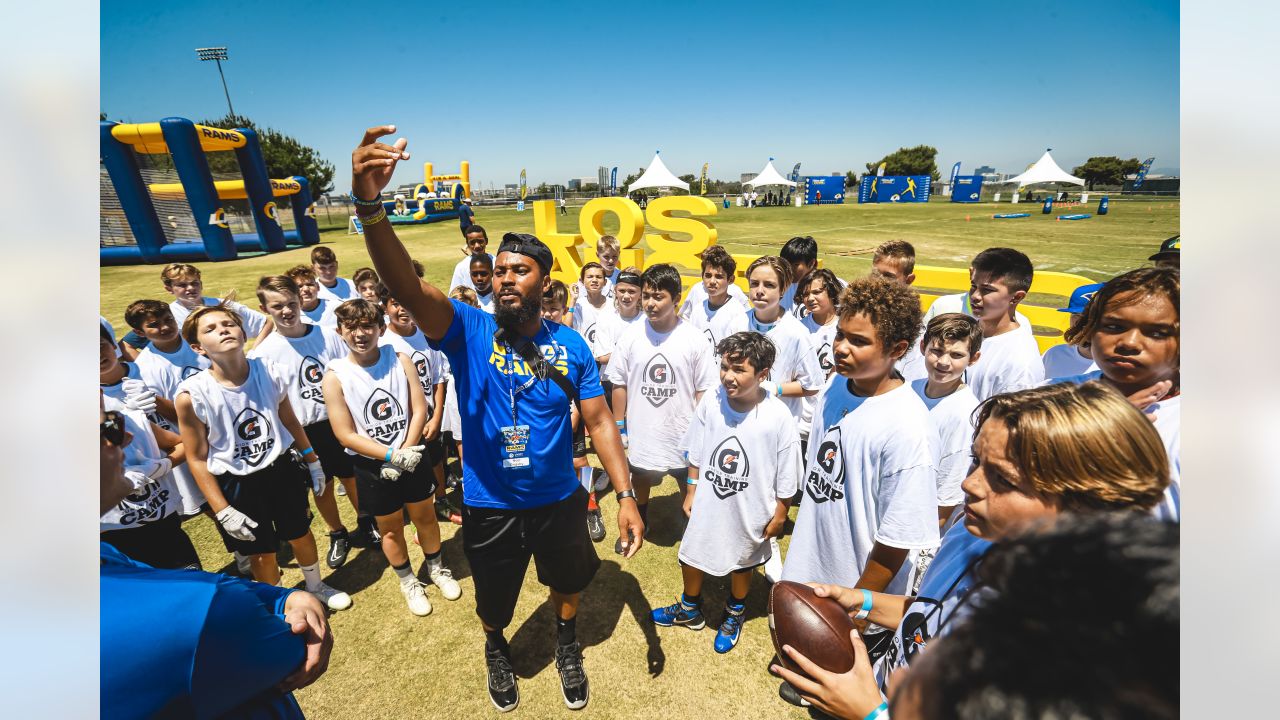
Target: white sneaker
[773,566]
[332,597]
[415,594]
[602,481]
[442,577]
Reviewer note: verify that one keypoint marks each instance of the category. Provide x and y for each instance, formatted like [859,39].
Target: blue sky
[561,89]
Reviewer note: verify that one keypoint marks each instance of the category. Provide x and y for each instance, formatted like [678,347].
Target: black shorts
[333,457]
[434,453]
[654,477]
[380,497]
[608,391]
[160,544]
[499,543]
[275,497]
[580,442]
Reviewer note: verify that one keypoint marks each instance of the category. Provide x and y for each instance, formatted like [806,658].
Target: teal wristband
[306,452]
[388,457]
[881,709]
[866,605]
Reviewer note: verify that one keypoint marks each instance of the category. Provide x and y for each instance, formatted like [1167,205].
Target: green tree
[918,160]
[850,179]
[1106,170]
[284,155]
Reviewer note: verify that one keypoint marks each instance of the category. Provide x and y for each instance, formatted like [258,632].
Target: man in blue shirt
[215,646]
[465,213]
[522,496]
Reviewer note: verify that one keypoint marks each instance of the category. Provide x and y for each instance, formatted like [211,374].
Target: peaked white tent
[768,176]
[1045,170]
[657,176]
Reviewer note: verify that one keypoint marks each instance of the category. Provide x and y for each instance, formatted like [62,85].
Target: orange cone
[966,218]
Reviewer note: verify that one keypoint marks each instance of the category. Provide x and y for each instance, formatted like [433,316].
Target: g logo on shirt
[310,374]
[710,338]
[824,357]
[658,385]
[255,438]
[384,417]
[590,334]
[826,480]
[730,471]
[381,406]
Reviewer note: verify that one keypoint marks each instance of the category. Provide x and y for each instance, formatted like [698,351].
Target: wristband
[373,219]
[620,423]
[690,481]
[865,610]
[366,203]
[628,493]
[880,709]
[388,456]
[306,452]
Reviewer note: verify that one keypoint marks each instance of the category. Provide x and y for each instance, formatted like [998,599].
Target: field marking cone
[966,218]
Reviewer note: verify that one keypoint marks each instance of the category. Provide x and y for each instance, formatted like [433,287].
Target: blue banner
[955,173]
[824,190]
[795,173]
[613,178]
[1142,173]
[895,189]
[966,189]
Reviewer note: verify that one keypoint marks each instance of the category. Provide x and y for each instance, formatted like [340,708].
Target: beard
[512,319]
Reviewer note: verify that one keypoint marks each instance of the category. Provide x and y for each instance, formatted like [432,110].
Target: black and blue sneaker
[681,613]
[730,629]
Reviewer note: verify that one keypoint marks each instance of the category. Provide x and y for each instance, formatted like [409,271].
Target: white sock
[586,477]
[311,574]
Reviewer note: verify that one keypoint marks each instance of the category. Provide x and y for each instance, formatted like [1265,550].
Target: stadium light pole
[217,54]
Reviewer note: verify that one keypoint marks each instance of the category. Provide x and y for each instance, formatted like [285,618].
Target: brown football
[816,626]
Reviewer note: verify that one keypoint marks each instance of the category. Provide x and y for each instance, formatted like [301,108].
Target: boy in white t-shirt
[238,427]
[745,455]
[1067,359]
[870,481]
[802,254]
[611,327]
[1011,358]
[183,281]
[896,260]
[317,310]
[366,281]
[952,343]
[607,250]
[482,281]
[659,370]
[325,265]
[301,351]
[477,242]
[716,311]
[591,306]
[378,411]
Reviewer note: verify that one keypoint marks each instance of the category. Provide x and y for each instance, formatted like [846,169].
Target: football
[816,626]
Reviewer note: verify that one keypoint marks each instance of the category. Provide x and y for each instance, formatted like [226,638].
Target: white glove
[407,458]
[154,470]
[237,524]
[137,479]
[137,396]
[318,479]
[771,388]
[390,472]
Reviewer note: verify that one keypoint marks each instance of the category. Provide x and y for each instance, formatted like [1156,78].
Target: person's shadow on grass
[611,592]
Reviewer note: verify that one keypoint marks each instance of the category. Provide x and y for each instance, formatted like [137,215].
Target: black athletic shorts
[580,441]
[275,497]
[499,543]
[160,544]
[655,476]
[380,497]
[434,453]
[333,457]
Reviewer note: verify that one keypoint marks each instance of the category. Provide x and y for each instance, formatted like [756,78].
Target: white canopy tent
[657,176]
[1045,170]
[768,176]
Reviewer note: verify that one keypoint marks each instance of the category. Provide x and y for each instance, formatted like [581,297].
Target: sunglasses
[112,428]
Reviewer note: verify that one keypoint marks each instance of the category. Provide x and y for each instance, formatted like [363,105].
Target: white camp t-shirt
[323,314]
[1009,362]
[154,501]
[794,360]
[716,324]
[951,417]
[303,360]
[610,329]
[1066,360]
[251,319]
[377,396]
[428,363]
[697,294]
[587,318]
[486,301]
[821,343]
[342,290]
[462,274]
[869,478]
[662,372]
[799,310]
[244,428]
[163,372]
[746,461]
[1168,423]
[606,291]
[911,365]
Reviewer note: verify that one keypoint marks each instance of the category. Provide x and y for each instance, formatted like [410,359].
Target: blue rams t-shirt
[487,375]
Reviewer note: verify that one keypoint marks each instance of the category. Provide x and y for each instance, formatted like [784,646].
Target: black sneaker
[339,546]
[787,692]
[595,525]
[573,679]
[503,691]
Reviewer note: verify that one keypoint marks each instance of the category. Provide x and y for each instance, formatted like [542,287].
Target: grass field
[387,663]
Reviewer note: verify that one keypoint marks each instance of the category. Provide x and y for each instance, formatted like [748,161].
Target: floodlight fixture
[217,54]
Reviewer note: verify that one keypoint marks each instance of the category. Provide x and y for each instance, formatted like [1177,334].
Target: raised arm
[372,164]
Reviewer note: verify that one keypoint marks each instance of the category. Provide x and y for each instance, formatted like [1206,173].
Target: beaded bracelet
[373,219]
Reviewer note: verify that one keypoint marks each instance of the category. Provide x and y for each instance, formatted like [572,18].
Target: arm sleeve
[617,369]
[706,371]
[787,482]
[907,496]
[810,373]
[692,442]
[252,319]
[587,371]
[455,338]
